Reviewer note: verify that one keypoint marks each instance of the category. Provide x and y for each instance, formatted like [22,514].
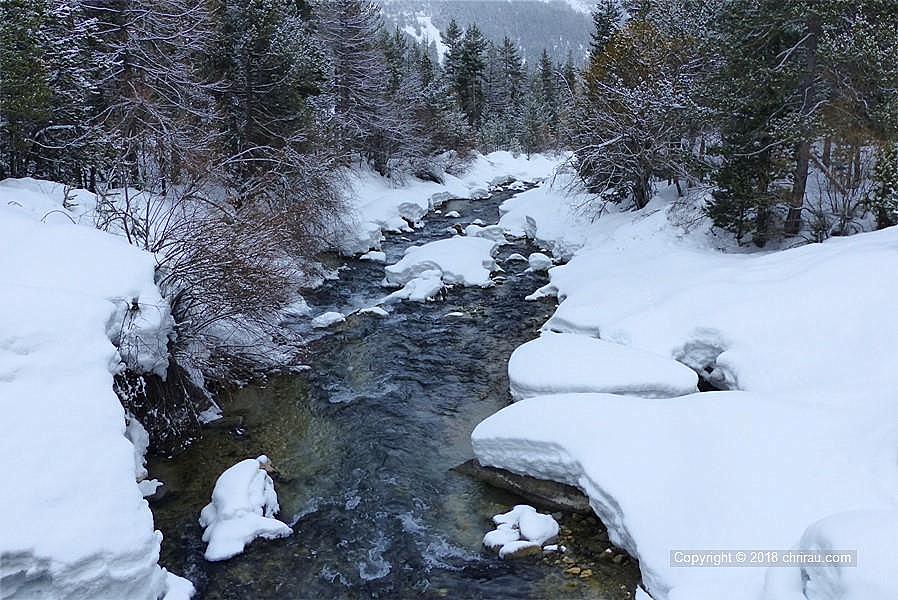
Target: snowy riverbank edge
[380,205]
[803,457]
[73,523]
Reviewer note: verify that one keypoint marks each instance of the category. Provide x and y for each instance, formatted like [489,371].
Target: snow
[539,262]
[327,319]
[802,341]
[555,363]
[374,310]
[244,503]
[520,529]
[74,522]
[420,288]
[374,256]
[490,232]
[380,204]
[494,540]
[426,32]
[874,576]
[516,257]
[424,270]
[452,214]
[512,549]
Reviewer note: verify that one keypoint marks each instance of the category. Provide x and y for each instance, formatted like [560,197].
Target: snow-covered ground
[73,521]
[805,341]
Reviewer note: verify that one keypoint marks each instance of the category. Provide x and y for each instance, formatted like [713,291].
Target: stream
[364,443]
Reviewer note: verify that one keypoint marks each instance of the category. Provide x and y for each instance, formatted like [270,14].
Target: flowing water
[364,443]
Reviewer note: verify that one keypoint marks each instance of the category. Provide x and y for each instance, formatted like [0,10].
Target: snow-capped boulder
[539,262]
[244,503]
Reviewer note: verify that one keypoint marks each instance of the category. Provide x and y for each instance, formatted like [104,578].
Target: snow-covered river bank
[365,443]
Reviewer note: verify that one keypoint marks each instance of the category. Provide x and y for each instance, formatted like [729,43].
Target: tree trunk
[803,154]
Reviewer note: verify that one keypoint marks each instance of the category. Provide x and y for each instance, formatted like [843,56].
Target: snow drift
[74,523]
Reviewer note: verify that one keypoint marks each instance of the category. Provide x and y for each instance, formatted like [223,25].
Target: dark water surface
[364,442]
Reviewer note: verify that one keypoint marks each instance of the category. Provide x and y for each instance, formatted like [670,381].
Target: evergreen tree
[26,98]
[470,74]
[606,19]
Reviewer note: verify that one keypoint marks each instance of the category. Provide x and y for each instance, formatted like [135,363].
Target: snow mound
[560,363]
[243,507]
[539,262]
[452,214]
[73,523]
[423,270]
[520,530]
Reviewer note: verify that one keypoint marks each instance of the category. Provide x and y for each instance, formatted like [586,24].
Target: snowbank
[715,470]
[73,523]
[380,204]
[423,270]
[243,507]
[808,333]
[556,363]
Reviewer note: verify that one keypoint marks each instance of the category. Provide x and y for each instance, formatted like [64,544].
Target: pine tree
[25,92]
[606,19]
[470,74]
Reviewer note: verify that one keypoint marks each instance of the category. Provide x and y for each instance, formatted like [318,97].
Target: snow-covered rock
[374,310]
[490,232]
[539,262]
[327,319]
[520,532]
[374,256]
[73,522]
[516,258]
[559,363]
[424,286]
[466,261]
[244,503]
[452,214]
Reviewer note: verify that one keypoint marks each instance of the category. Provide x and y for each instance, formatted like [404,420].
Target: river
[364,443]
